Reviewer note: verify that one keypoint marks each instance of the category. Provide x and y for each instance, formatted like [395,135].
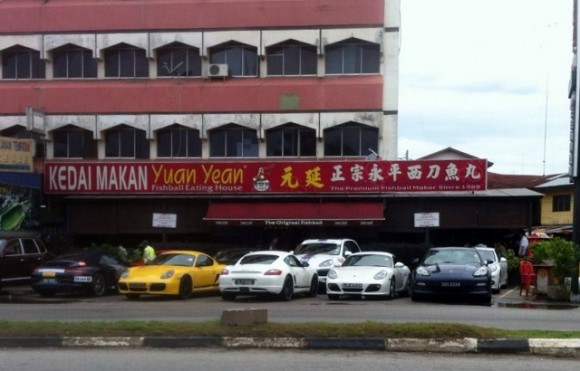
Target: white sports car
[371,273]
[499,268]
[268,272]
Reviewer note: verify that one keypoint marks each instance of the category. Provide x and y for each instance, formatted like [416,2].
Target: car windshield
[258,259]
[487,255]
[318,248]
[183,260]
[368,261]
[452,256]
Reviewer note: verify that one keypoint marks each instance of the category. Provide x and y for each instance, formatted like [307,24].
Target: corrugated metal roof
[505,192]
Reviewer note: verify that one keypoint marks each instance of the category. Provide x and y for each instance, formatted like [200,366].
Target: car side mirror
[347,253]
[399,265]
[502,259]
[305,264]
[488,262]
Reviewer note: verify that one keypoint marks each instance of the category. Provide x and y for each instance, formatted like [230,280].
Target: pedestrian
[500,249]
[148,252]
[523,245]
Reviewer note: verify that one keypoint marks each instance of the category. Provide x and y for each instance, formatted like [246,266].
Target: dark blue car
[452,272]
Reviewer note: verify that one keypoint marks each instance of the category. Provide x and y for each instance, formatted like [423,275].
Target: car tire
[98,286]
[333,297]
[185,288]
[228,296]
[132,296]
[392,286]
[287,289]
[313,287]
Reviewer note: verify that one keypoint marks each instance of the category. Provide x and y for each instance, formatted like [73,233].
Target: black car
[231,256]
[451,272]
[90,271]
[19,257]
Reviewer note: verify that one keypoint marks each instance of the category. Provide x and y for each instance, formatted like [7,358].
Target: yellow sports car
[178,273]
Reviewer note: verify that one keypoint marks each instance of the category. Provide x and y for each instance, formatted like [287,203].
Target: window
[126,61]
[71,61]
[350,140]
[127,142]
[352,56]
[74,142]
[233,141]
[561,203]
[242,60]
[178,141]
[290,141]
[178,60]
[291,58]
[19,62]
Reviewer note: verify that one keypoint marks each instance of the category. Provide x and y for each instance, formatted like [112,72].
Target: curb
[552,347]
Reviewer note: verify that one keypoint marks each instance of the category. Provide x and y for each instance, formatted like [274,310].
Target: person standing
[524,244]
[148,252]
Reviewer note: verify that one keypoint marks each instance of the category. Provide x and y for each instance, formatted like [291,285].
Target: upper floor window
[352,56]
[290,141]
[19,62]
[242,60]
[71,61]
[291,58]
[126,61]
[73,142]
[350,139]
[125,141]
[561,203]
[178,60]
[178,141]
[233,141]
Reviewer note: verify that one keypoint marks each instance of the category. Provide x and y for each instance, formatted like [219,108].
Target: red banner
[209,177]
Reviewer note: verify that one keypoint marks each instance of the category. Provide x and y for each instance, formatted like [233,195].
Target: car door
[34,254]
[204,272]
[11,261]
[298,271]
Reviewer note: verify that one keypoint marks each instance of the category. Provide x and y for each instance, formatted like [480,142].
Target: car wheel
[228,296]
[185,288]
[333,297]
[98,285]
[287,290]
[132,296]
[392,286]
[313,287]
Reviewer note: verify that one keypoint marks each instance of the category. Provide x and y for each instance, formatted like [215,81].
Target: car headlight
[326,263]
[167,274]
[125,275]
[379,276]
[481,271]
[422,271]
[493,267]
[332,274]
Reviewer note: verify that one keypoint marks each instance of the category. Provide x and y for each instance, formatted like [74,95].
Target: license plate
[352,285]
[83,279]
[244,282]
[49,280]
[48,274]
[451,284]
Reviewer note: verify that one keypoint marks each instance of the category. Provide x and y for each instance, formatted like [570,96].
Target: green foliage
[563,254]
[512,260]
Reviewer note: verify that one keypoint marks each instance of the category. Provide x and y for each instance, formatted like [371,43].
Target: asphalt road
[507,311]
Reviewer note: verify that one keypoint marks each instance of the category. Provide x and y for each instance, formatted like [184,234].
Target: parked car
[268,273]
[324,254]
[231,256]
[93,272]
[452,272]
[371,273]
[19,257]
[499,268]
[178,273]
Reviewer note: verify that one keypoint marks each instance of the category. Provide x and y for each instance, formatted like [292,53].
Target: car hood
[458,269]
[153,271]
[359,272]
[314,260]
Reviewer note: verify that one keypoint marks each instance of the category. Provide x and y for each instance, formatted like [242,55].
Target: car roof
[484,248]
[185,252]
[269,252]
[372,253]
[327,240]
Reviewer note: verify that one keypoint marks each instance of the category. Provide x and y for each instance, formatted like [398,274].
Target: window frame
[299,149]
[121,134]
[88,66]
[192,149]
[230,49]
[136,67]
[331,132]
[26,59]
[192,60]
[352,50]
[561,203]
[229,134]
[282,52]
[87,148]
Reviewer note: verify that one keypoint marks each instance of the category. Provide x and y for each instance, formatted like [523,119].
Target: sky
[488,78]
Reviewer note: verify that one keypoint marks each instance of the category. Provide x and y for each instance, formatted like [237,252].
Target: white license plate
[83,279]
[244,282]
[451,284]
[352,285]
